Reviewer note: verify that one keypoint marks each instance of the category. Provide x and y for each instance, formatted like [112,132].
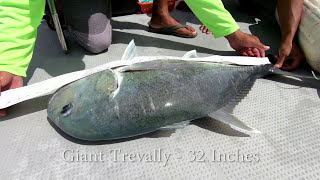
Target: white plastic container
[309,33]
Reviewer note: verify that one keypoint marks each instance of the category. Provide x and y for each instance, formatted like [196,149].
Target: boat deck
[286,110]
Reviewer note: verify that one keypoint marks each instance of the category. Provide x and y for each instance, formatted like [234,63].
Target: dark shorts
[89,23]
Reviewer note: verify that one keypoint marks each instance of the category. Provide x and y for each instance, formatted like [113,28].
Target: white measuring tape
[15,96]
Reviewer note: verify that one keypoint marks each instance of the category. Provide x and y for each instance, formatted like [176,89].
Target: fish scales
[144,97]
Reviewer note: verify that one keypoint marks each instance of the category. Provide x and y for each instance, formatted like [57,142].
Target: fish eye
[66,110]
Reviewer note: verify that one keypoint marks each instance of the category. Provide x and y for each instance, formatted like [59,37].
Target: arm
[214,16]
[18,31]
[289,12]
[19,20]
[220,22]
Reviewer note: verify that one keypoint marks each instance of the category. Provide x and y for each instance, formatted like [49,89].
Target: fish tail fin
[277,71]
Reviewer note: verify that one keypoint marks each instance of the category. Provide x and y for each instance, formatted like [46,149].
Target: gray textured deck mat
[285,110]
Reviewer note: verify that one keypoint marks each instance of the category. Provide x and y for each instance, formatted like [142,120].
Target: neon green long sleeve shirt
[214,16]
[19,20]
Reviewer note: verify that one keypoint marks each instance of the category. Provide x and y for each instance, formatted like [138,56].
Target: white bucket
[309,33]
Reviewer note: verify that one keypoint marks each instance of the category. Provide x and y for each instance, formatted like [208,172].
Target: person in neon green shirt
[19,21]
[289,14]
[213,14]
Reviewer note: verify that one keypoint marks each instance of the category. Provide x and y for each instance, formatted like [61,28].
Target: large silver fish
[144,97]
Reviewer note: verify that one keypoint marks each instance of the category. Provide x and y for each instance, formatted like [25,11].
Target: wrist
[287,39]
[286,42]
[234,35]
[5,78]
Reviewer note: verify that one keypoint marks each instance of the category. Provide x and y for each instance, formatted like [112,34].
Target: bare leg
[289,12]
[162,19]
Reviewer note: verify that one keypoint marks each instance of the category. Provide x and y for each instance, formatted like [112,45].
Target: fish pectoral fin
[174,126]
[191,54]
[231,120]
[130,52]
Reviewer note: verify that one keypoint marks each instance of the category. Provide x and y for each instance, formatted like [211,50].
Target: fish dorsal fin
[234,122]
[130,52]
[179,125]
[191,54]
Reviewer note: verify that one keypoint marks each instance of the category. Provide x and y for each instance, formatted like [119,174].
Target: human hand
[290,56]
[204,29]
[247,44]
[8,81]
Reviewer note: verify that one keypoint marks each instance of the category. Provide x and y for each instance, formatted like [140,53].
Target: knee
[99,42]
[94,43]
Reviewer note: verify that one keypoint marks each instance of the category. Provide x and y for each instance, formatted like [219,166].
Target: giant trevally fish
[143,97]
